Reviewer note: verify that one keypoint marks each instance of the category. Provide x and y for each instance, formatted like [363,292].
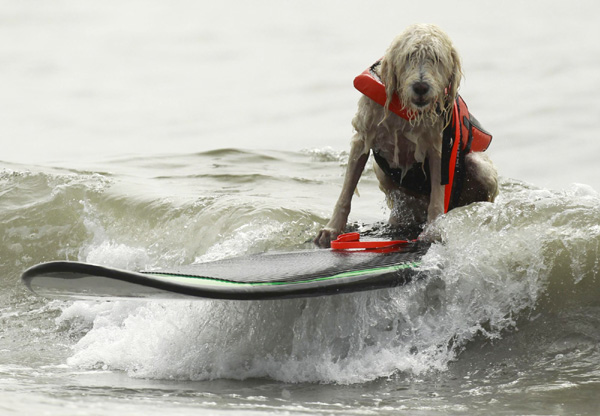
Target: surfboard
[318,272]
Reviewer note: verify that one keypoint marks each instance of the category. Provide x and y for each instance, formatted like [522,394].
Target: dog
[422,69]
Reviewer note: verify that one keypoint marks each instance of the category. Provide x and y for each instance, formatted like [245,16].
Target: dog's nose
[420,88]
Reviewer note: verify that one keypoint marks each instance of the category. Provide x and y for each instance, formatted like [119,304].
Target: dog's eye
[432,57]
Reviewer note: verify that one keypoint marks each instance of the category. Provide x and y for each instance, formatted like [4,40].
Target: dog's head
[423,68]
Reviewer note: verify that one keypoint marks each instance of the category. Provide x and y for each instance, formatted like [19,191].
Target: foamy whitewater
[152,135]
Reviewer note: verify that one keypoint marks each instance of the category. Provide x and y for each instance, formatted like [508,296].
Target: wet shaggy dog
[423,69]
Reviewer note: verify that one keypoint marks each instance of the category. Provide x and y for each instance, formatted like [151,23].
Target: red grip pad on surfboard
[351,241]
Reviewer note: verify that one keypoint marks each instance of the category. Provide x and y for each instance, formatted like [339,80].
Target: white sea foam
[487,274]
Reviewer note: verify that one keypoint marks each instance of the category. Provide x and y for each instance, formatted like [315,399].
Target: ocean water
[144,134]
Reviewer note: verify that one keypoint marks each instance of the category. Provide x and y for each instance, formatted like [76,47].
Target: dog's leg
[356,164]
[481,180]
[436,199]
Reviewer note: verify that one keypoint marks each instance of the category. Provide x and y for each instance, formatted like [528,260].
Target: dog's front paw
[323,239]
[431,234]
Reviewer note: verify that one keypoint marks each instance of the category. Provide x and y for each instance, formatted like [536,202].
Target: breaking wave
[497,268]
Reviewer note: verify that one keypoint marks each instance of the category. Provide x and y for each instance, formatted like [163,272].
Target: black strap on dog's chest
[415,179]
[447,142]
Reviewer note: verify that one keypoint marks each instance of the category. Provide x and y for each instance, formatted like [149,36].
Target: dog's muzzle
[420,90]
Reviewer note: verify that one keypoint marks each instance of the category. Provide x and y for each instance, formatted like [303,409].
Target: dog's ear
[390,80]
[457,74]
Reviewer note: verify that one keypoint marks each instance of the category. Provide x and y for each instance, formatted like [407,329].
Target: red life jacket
[464,126]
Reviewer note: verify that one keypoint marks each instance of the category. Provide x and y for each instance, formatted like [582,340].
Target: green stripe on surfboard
[187,279]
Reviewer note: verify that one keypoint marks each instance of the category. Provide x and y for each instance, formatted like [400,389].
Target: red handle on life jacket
[351,241]
[372,87]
